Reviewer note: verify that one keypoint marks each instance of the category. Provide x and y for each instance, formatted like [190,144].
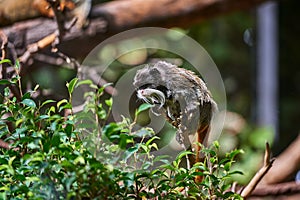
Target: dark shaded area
[223,38]
[289,73]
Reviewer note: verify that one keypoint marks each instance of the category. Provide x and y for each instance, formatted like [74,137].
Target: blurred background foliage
[230,41]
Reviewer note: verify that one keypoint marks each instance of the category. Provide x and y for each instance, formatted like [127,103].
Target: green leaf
[47,102]
[124,140]
[111,130]
[51,110]
[36,88]
[101,89]
[84,82]
[129,152]
[79,160]
[32,145]
[71,85]
[66,106]
[224,161]
[151,140]
[20,177]
[5,61]
[109,102]
[29,103]
[11,160]
[4,82]
[142,108]
[55,139]
[216,144]
[6,92]
[69,182]
[213,160]
[227,166]
[67,164]
[144,132]
[161,158]
[180,156]
[27,95]
[17,64]
[32,179]
[236,172]
[209,152]
[154,145]
[61,102]
[15,79]
[234,153]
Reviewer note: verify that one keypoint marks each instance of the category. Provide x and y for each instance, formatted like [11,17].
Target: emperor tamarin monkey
[181,96]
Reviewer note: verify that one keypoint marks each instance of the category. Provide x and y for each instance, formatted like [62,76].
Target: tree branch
[285,166]
[260,174]
[277,189]
[116,16]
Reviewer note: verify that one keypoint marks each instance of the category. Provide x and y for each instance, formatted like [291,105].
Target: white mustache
[152,96]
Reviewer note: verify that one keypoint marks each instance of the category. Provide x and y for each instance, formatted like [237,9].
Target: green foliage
[56,154]
[217,173]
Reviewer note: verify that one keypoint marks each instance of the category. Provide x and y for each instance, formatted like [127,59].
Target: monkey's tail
[202,132]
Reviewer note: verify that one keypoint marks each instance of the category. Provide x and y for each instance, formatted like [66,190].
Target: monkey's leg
[183,140]
[188,163]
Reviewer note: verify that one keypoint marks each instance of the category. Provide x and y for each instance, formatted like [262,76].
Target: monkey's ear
[154,72]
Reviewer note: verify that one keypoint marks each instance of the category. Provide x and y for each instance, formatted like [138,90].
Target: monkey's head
[150,84]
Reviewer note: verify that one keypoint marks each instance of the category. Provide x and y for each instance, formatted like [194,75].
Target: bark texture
[116,16]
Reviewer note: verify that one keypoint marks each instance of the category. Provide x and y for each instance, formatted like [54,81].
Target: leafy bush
[56,154]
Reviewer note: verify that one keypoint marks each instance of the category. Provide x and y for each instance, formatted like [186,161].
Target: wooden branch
[260,174]
[286,165]
[277,189]
[167,13]
[117,16]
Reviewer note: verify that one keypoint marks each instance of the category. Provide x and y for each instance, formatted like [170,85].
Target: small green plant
[217,173]
[58,154]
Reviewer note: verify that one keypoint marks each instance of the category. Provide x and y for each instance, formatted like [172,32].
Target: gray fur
[187,103]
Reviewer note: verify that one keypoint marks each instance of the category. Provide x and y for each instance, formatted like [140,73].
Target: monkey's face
[147,82]
[152,96]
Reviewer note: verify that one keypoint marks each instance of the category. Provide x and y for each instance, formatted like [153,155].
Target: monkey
[181,97]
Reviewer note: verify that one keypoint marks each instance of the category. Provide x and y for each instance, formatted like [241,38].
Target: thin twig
[260,174]
[53,38]
[286,166]
[3,54]
[87,72]
[4,67]
[75,64]
[35,47]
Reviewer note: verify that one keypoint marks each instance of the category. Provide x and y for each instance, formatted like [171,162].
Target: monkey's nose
[141,94]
